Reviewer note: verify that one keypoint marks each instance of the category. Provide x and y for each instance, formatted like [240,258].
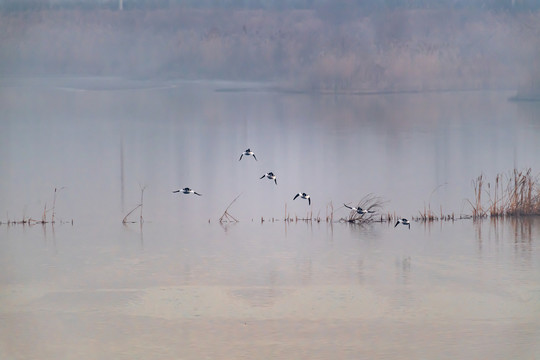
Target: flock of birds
[270,175]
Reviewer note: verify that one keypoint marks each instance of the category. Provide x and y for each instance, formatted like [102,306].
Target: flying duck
[404,222]
[303,196]
[187,191]
[247,153]
[271,176]
[359,210]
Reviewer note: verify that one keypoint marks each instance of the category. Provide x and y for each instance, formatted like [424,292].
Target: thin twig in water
[226,217]
[124,221]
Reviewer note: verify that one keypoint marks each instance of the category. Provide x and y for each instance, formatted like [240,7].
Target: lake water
[182,285]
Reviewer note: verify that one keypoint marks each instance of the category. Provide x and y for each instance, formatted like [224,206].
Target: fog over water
[409,149]
[339,100]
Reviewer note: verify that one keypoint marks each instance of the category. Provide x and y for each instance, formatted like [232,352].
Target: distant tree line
[330,46]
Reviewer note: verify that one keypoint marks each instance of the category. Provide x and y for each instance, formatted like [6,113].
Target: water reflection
[255,275]
[523,238]
[403,269]
[518,232]
[305,270]
[130,228]
[267,287]
[226,226]
[53,237]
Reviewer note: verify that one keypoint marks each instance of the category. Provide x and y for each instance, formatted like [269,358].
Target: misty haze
[303,179]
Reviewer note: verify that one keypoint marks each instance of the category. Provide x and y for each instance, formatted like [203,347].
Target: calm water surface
[184,286]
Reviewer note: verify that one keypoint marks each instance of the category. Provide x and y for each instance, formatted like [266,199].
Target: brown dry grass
[514,194]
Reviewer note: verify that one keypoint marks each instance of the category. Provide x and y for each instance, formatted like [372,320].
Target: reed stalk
[141,220]
[477,208]
[226,217]
[517,194]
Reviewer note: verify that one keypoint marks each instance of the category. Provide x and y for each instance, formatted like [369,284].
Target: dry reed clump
[371,203]
[523,194]
[514,194]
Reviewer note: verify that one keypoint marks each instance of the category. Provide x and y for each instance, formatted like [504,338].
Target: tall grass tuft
[514,194]
[524,194]
[478,211]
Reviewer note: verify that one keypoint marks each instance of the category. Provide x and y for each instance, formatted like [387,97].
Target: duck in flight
[359,210]
[404,222]
[271,176]
[303,196]
[187,191]
[247,153]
